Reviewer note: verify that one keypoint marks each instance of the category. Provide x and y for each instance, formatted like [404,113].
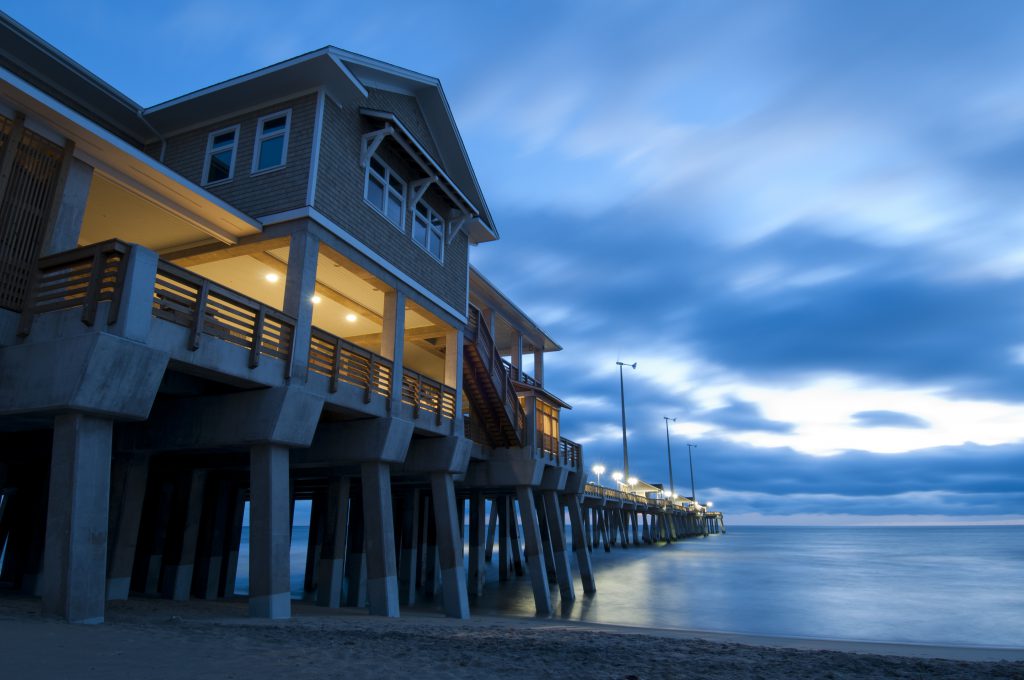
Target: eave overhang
[486,291]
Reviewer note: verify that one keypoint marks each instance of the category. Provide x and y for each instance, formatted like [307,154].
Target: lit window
[221,148]
[385,191]
[428,229]
[271,141]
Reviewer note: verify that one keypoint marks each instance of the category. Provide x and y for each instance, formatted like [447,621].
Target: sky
[802,220]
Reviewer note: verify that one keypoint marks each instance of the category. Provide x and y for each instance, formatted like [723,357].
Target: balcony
[209,327]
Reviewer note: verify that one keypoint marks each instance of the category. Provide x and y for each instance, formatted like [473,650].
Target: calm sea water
[941,585]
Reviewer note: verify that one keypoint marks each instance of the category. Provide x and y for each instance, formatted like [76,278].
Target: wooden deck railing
[206,308]
[519,375]
[342,361]
[570,453]
[83,277]
[428,395]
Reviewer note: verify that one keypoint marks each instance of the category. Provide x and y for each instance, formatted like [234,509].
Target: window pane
[377,167]
[396,184]
[435,246]
[394,208]
[271,152]
[220,166]
[224,138]
[419,230]
[375,192]
[274,124]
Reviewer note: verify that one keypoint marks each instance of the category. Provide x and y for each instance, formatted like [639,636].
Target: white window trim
[260,137]
[426,247]
[209,155]
[366,191]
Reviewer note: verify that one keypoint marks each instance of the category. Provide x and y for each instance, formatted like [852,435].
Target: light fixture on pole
[598,470]
[693,484]
[622,397]
[617,476]
[668,445]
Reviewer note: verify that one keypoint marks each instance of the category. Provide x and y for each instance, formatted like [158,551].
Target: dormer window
[221,150]
[428,230]
[271,149]
[385,191]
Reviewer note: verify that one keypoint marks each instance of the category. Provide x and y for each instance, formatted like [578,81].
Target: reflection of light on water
[892,584]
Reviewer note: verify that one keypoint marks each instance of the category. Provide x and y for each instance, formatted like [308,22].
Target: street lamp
[598,470]
[632,481]
[710,504]
[622,397]
[617,476]
[668,444]
[693,484]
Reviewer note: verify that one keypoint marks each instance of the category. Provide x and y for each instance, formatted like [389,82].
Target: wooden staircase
[489,389]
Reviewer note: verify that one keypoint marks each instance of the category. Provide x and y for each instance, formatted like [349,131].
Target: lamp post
[598,470]
[668,445]
[617,476]
[693,484]
[622,397]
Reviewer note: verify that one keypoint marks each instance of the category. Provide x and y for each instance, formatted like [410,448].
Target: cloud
[888,419]
[743,416]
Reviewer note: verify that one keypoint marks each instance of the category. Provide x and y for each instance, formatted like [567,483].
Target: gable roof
[345,76]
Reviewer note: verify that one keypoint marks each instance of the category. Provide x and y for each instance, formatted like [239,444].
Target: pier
[170,364]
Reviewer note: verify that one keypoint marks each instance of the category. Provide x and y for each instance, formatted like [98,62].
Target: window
[385,191]
[271,141]
[547,427]
[428,229]
[221,148]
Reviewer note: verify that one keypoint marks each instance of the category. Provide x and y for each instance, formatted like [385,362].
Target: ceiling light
[272,277]
[316,299]
[351,318]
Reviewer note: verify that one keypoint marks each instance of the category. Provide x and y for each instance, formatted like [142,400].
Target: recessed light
[316,299]
[351,318]
[272,277]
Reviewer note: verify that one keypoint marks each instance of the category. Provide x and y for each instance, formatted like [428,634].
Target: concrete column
[492,525]
[233,542]
[67,225]
[378,524]
[332,554]
[534,552]
[538,366]
[314,545]
[450,550]
[513,539]
[269,533]
[645,533]
[181,558]
[75,565]
[556,533]
[477,532]
[602,518]
[545,538]
[392,339]
[210,557]
[156,528]
[355,556]
[300,286]
[410,549]
[505,518]
[579,544]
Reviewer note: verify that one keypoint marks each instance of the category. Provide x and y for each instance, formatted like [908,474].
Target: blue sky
[804,220]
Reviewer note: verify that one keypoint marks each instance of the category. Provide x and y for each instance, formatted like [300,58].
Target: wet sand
[157,639]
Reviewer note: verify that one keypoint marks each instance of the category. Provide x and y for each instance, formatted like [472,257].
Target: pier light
[632,481]
[617,476]
[316,299]
[351,318]
[710,504]
[598,470]
[272,277]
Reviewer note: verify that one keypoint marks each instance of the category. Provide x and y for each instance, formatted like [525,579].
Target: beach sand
[156,639]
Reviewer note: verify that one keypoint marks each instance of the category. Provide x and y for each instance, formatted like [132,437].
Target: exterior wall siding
[408,111]
[339,196]
[262,194]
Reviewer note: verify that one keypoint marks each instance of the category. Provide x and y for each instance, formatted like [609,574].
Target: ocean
[933,585]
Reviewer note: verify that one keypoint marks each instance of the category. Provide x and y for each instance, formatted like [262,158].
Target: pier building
[259,293]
